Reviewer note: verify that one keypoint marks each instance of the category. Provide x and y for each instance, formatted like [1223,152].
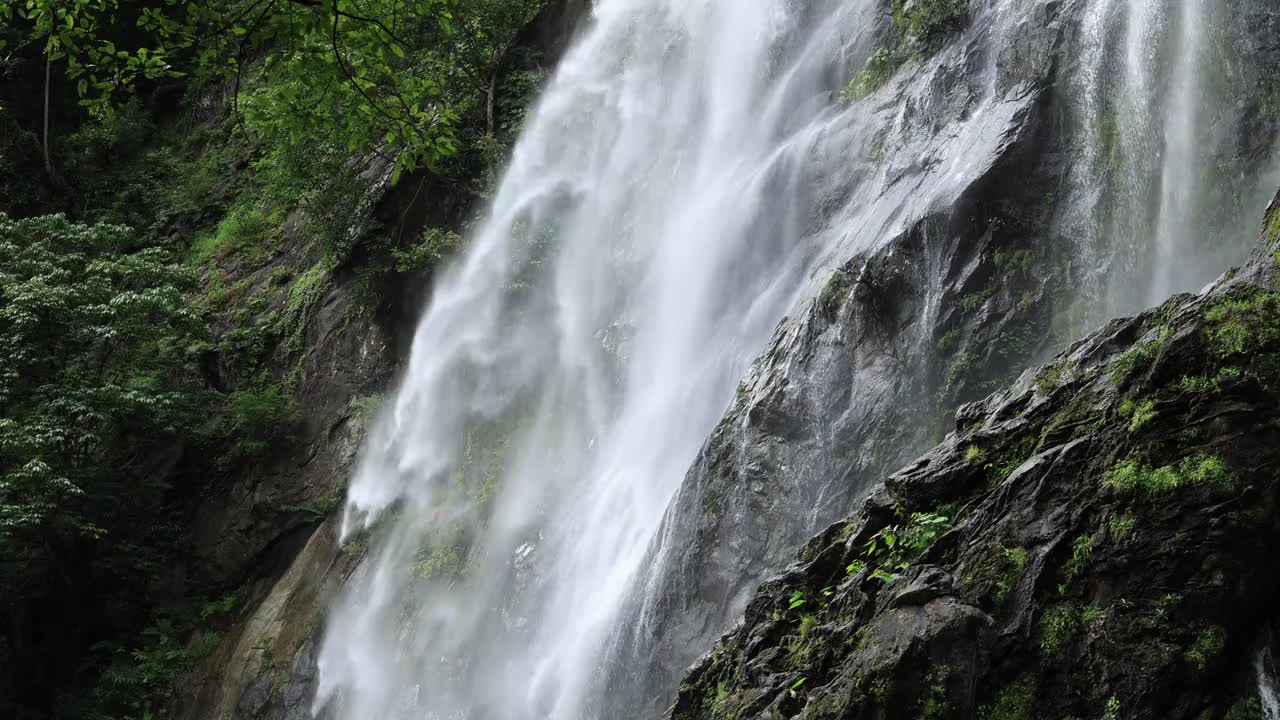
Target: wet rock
[1109,522]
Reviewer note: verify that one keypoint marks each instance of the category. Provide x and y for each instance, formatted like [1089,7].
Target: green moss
[1112,711]
[974,300]
[1273,226]
[1122,525]
[1134,361]
[1208,645]
[1078,563]
[927,21]
[1058,626]
[1015,262]
[1130,476]
[305,293]
[1014,562]
[1143,414]
[1050,379]
[1243,323]
[974,454]
[1092,616]
[1016,701]
[246,228]
[948,342]
[804,645]
[440,561]
[879,68]
[960,368]
[1011,458]
[1109,141]
[833,295]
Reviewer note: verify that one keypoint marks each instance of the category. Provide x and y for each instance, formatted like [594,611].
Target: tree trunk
[493,82]
[48,76]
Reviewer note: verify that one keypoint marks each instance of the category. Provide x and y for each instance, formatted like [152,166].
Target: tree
[97,390]
[353,74]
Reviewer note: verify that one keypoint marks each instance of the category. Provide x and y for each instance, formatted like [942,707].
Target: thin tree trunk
[493,82]
[48,75]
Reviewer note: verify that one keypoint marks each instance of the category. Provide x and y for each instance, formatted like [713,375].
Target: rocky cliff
[991,272]
[1093,541]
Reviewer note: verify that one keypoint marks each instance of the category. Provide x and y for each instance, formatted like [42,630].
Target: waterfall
[687,180]
[1268,688]
[1170,76]
[647,236]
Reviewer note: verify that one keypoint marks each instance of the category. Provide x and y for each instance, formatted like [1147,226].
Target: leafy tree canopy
[95,343]
[345,75]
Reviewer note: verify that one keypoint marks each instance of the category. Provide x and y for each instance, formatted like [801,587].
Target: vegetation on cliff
[181,185]
[1091,542]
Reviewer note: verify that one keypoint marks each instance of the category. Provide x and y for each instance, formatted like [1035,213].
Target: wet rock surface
[988,277]
[1093,541]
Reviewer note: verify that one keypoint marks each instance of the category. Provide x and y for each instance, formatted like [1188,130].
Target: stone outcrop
[1093,541]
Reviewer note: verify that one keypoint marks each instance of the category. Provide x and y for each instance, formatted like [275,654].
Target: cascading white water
[643,243]
[1164,89]
[654,225]
[1268,688]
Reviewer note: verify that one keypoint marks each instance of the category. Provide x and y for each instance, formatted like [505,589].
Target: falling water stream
[656,222]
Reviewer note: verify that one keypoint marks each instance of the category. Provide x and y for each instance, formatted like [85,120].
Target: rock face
[1093,541]
[991,276]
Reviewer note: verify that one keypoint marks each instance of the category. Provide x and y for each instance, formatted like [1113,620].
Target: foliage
[949,340]
[1243,323]
[1143,414]
[1122,525]
[433,246]
[833,295]
[1081,555]
[307,290]
[446,561]
[928,20]
[1200,469]
[95,342]
[1133,361]
[148,667]
[960,367]
[1012,562]
[244,229]
[1050,379]
[1249,708]
[1092,615]
[346,75]
[1208,644]
[974,454]
[1057,626]
[97,391]
[1015,701]
[976,299]
[877,71]
[254,417]
[893,548]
